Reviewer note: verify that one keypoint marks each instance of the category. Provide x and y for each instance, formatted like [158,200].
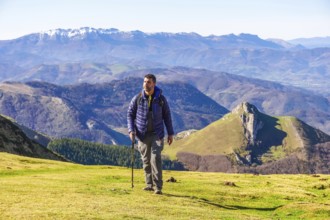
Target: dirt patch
[171,180]
[229,183]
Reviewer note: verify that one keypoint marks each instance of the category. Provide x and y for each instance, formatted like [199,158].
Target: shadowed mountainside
[14,141]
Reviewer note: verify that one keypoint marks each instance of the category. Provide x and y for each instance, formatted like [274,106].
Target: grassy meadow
[43,189]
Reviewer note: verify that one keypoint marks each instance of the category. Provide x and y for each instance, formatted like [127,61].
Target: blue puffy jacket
[137,119]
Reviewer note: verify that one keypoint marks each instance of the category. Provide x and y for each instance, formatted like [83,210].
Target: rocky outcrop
[250,121]
[184,134]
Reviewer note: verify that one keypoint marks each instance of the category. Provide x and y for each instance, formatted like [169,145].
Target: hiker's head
[149,83]
[151,76]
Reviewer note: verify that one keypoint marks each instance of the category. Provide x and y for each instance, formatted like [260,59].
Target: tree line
[90,153]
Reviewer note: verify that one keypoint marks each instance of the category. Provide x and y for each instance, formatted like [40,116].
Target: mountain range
[110,51]
[96,112]
[246,140]
[77,83]
[314,42]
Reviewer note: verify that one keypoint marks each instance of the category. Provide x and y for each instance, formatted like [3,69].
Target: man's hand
[170,139]
[132,136]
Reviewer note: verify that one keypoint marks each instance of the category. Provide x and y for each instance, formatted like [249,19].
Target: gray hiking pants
[150,149]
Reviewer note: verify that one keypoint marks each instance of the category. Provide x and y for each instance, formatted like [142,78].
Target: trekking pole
[132,162]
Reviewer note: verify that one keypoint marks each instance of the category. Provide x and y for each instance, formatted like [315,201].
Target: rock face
[250,121]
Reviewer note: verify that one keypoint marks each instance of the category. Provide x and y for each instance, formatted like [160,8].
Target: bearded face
[148,85]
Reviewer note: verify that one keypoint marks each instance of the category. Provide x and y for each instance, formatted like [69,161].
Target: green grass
[293,140]
[220,137]
[43,189]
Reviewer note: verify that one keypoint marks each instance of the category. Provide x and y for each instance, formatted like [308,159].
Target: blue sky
[284,19]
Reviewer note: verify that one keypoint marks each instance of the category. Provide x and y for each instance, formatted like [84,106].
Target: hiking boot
[158,192]
[148,188]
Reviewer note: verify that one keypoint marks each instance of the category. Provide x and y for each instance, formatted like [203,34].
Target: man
[146,116]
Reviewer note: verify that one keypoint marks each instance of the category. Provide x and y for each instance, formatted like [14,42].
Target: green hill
[44,189]
[246,138]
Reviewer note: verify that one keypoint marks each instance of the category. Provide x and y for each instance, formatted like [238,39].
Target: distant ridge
[314,42]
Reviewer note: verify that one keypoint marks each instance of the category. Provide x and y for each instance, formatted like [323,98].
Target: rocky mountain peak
[249,116]
[246,108]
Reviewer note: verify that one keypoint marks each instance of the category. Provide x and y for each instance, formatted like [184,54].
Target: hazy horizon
[268,19]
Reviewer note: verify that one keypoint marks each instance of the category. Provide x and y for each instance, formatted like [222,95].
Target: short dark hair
[151,76]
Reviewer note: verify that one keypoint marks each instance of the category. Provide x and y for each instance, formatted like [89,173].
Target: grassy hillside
[43,189]
[242,133]
[226,135]
[217,138]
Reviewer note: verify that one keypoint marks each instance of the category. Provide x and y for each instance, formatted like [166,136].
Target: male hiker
[146,116]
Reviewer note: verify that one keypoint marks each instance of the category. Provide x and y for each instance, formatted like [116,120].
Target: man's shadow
[208,202]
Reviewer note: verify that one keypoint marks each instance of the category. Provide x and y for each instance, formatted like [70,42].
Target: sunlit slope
[10,163]
[220,137]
